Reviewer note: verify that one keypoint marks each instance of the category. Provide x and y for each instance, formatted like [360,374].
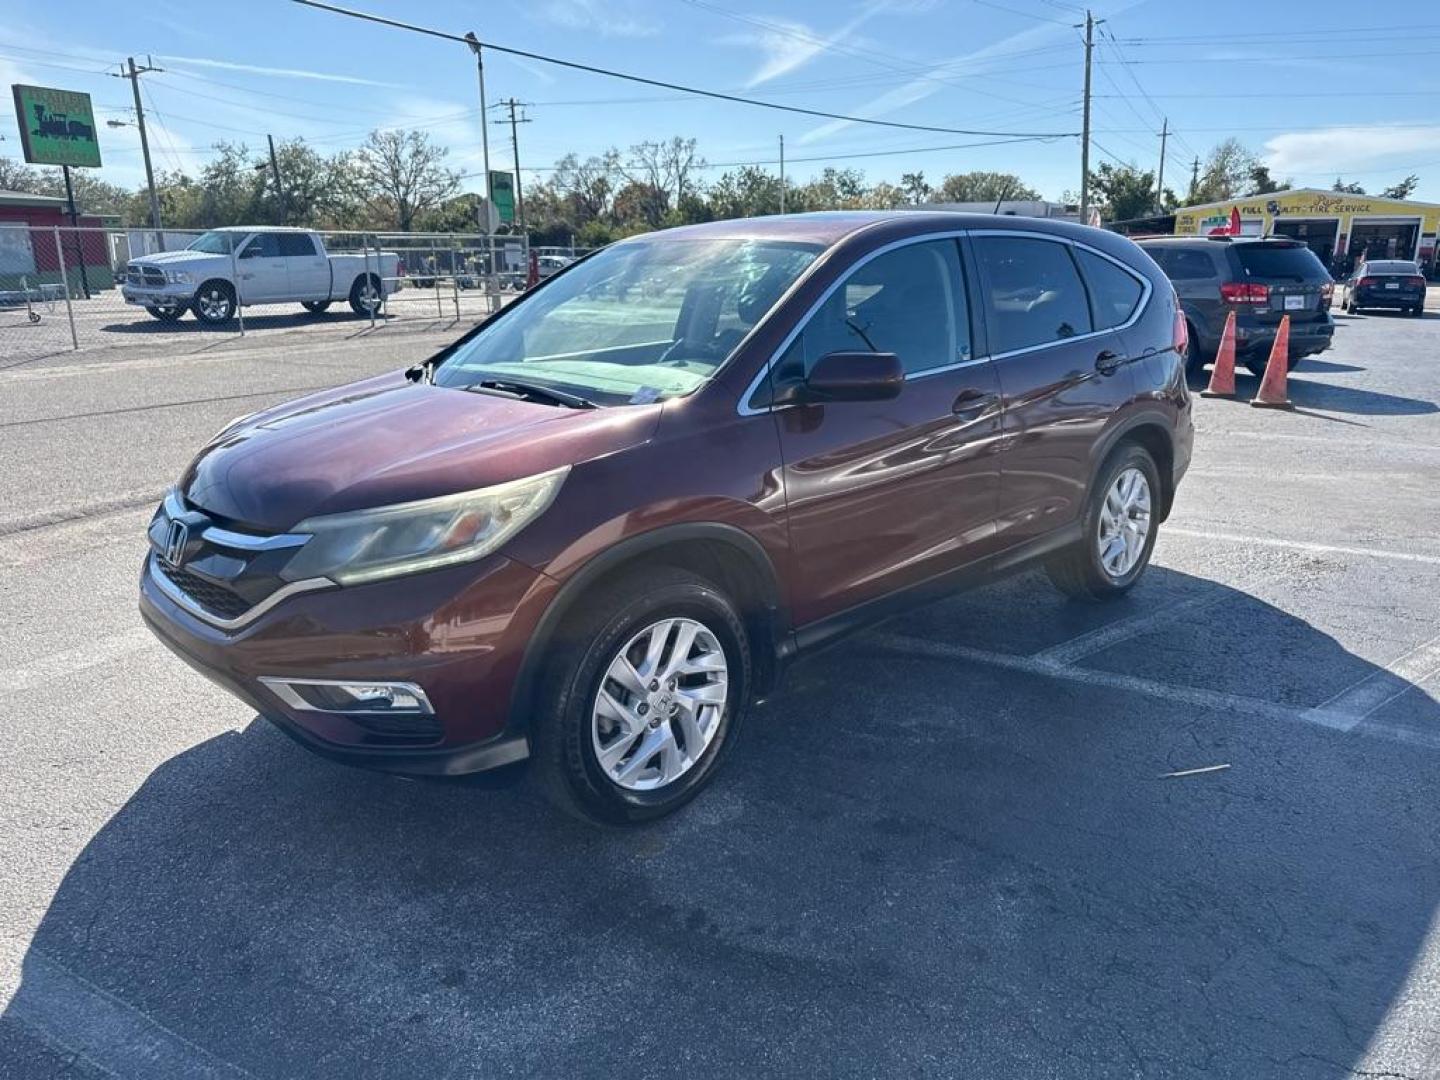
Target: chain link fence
[65,289]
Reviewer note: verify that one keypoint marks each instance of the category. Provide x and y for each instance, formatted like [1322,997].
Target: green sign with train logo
[57,127]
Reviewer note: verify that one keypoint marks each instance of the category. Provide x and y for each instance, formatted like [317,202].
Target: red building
[27,243]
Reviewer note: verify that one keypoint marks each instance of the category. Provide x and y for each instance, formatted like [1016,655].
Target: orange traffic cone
[1222,376]
[1272,393]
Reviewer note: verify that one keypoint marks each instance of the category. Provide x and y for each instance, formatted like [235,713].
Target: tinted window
[1295,262]
[1183,263]
[263,246]
[296,244]
[1033,292]
[1391,266]
[910,301]
[1114,293]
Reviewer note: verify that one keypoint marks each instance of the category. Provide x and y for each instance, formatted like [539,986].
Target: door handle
[972,402]
[1108,361]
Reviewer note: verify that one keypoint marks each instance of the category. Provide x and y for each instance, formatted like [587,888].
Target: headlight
[178,277]
[370,544]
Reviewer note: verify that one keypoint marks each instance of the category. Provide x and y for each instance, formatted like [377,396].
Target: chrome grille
[144,275]
[216,599]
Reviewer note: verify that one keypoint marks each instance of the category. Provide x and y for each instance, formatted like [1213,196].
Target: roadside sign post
[75,228]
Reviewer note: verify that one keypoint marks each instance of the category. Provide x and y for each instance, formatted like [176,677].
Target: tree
[668,167]
[231,188]
[1346,189]
[982,187]
[1403,189]
[747,192]
[1123,192]
[1262,183]
[833,189]
[585,187]
[640,204]
[1225,174]
[885,196]
[915,188]
[15,176]
[403,174]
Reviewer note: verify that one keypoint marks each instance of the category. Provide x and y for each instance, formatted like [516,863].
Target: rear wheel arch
[1153,435]
[728,557]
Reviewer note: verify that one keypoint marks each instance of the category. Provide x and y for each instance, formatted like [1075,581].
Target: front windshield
[642,321]
[215,243]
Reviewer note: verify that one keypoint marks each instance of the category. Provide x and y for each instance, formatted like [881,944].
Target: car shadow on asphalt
[913,862]
[1306,394]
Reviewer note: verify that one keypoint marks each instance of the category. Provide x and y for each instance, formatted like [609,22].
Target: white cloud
[1346,149]
[285,73]
[612,19]
[786,45]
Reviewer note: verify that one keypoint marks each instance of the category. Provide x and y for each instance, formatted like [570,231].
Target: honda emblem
[175,541]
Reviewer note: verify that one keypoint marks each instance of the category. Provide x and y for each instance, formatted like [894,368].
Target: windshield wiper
[532,391]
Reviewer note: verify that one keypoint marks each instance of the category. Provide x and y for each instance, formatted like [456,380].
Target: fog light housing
[350,696]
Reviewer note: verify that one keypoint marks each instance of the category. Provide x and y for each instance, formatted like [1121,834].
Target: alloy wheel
[215,304]
[1124,523]
[659,704]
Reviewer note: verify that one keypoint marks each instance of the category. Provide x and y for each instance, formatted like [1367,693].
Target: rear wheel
[1119,530]
[315,307]
[642,699]
[365,295]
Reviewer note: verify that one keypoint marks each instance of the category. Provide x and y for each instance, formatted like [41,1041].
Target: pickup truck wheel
[315,307]
[642,698]
[166,312]
[214,303]
[365,295]
[1119,530]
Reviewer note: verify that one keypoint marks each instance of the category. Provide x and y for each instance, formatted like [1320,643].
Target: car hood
[170,258]
[388,440]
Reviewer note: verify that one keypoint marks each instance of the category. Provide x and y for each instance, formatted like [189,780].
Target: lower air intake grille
[216,599]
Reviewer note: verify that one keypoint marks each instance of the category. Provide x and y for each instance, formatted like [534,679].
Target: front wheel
[643,698]
[214,303]
[1119,530]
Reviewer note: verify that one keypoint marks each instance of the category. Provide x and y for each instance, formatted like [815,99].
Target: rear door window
[1289,262]
[1114,292]
[296,244]
[1033,292]
[1183,264]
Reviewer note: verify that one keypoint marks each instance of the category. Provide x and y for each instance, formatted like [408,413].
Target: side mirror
[853,376]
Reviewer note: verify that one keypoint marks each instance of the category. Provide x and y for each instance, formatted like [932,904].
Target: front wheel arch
[726,555]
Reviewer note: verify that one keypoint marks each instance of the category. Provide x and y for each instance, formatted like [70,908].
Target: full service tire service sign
[57,127]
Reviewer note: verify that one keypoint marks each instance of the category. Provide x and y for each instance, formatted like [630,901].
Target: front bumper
[458,633]
[157,295]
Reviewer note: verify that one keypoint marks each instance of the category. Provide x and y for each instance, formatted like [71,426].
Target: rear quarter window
[1114,292]
[1292,262]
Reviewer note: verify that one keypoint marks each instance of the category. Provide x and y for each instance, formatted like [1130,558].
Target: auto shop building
[1339,228]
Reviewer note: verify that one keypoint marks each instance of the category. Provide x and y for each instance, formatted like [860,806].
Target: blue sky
[1335,89]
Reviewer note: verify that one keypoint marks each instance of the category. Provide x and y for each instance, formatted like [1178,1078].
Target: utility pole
[782,174]
[279,184]
[1090,23]
[492,292]
[1160,182]
[1194,178]
[512,105]
[133,73]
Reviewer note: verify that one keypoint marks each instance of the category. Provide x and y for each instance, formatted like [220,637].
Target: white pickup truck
[239,266]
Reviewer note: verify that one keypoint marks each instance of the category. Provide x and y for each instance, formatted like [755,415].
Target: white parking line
[1322,716]
[72,1013]
[1379,688]
[1300,545]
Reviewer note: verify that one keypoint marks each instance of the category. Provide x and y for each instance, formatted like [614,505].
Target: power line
[662,84]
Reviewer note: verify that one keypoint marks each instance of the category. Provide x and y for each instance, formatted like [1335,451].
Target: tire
[169,313]
[214,303]
[365,295]
[1255,365]
[315,307]
[573,727]
[1197,359]
[1080,571]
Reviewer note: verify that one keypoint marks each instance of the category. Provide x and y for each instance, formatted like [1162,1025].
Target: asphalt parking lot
[948,847]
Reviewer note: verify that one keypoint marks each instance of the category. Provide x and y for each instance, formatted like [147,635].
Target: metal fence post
[381,305]
[65,285]
[365,247]
[235,277]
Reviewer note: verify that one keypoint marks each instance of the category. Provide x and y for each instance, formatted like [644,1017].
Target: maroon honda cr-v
[594,529]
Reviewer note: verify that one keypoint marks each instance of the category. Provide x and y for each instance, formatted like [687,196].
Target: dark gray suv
[1261,280]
